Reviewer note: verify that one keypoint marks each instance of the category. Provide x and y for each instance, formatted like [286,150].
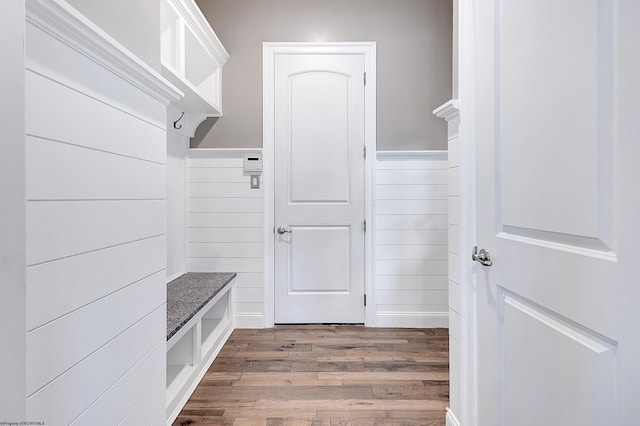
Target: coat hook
[176,122]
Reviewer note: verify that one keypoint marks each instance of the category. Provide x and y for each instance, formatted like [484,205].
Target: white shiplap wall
[225,232]
[224,228]
[411,239]
[177,147]
[95,225]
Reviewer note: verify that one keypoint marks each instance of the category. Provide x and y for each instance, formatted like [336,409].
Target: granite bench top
[187,294]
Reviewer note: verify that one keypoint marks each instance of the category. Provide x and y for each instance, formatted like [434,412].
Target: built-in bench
[199,321]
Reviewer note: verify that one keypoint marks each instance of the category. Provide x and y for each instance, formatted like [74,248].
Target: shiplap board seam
[101,126]
[157,382]
[160,347]
[104,344]
[93,97]
[95,250]
[99,352]
[90,148]
[69,312]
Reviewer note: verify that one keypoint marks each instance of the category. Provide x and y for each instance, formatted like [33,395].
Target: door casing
[269,52]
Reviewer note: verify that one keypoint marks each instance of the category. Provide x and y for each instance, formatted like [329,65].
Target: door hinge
[364,152]
[364,225]
[365,78]
[365,300]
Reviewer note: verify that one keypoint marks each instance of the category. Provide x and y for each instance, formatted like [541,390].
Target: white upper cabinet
[192,58]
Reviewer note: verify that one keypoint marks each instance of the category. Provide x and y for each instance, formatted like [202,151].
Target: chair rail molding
[412,155]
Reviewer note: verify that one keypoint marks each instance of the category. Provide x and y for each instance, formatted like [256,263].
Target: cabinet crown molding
[65,23]
[193,16]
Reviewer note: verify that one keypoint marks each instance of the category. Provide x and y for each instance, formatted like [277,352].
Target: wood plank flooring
[325,375]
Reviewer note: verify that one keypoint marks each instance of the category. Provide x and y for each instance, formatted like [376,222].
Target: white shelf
[192,350]
[177,375]
[192,57]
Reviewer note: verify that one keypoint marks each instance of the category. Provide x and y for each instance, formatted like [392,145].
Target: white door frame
[269,52]
[468,391]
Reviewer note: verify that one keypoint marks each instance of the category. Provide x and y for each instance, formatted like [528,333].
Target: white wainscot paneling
[65,398]
[225,220]
[411,221]
[96,218]
[81,332]
[454,182]
[224,264]
[411,236]
[413,297]
[412,252]
[411,206]
[411,240]
[217,175]
[411,282]
[411,176]
[176,202]
[56,288]
[454,245]
[68,172]
[454,296]
[454,212]
[96,124]
[58,229]
[224,235]
[225,205]
[121,398]
[223,190]
[226,249]
[417,191]
[146,411]
[225,229]
[411,267]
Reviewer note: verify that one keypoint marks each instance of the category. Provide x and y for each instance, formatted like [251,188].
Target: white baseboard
[248,320]
[452,420]
[412,319]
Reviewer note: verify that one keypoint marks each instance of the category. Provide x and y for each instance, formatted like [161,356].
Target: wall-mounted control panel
[253,167]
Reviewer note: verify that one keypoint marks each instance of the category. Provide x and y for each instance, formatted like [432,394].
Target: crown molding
[198,23]
[69,26]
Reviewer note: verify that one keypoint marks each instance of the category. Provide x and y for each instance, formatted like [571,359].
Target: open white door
[557,133]
[319,187]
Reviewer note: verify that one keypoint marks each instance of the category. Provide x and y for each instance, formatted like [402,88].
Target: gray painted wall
[454,53]
[414,39]
[133,23]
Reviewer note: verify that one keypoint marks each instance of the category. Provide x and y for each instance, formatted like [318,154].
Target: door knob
[483,256]
[283,230]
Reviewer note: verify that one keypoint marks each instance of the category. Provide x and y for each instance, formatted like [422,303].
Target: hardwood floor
[325,375]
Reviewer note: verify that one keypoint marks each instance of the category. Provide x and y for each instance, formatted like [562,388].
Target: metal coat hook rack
[175,123]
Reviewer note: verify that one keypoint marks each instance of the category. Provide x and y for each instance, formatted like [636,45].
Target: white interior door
[319,188]
[559,211]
